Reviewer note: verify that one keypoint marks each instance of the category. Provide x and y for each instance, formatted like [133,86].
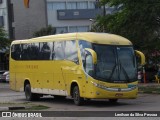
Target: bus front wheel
[76,96]
[29,95]
[113,100]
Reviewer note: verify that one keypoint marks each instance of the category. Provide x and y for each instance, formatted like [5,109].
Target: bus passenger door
[59,80]
[71,73]
[70,68]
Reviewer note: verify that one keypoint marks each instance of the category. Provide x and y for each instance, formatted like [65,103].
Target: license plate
[119,94]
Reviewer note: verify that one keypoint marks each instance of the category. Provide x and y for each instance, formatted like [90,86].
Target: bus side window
[28,51]
[16,52]
[71,51]
[45,51]
[59,50]
[53,52]
[25,52]
[13,51]
[89,67]
[34,51]
[82,45]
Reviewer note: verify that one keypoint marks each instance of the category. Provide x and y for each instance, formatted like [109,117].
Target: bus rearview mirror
[94,55]
[142,57]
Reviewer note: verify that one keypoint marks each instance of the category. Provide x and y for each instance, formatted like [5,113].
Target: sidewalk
[148,84]
[151,88]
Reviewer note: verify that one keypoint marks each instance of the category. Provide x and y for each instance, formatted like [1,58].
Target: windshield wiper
[112,72]
[124,71]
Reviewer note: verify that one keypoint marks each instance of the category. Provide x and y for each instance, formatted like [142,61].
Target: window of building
[83,28]
[82,5]
[56,5]
[78,28]
[91,5]
[71,5]
[73,29]
[59,5]
[12,12]
[61,30]
[12,33]
[49,6]
[77,5]
[1,21]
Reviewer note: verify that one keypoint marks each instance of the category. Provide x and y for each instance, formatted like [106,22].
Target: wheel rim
[27,93]
[76,95]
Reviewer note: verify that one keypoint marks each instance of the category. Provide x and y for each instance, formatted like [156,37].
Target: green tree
[49,30]
[4,41]
[137,20]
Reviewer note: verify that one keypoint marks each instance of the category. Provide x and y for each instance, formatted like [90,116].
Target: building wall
[4,15]
[28,20]
[67,25]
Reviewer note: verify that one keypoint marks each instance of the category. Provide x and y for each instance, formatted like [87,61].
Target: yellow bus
[83,65]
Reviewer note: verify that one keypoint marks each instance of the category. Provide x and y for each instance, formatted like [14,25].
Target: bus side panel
[72,73]
[12,81]
[47,80]
[59,81]
[20,81]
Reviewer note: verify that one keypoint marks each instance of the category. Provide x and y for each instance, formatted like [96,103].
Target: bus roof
[99,38]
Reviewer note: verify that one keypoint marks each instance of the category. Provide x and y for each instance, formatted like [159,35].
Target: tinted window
[127,62]
[82,45]
[16,52]
[59,50]
[71,51]
[106,62]
[33,51]
[25,51]
[30,51]
[45,51]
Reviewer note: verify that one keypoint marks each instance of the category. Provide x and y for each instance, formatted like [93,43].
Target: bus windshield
[115,63]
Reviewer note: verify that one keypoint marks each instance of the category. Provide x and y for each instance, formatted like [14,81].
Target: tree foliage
[137,20]
[4,41]
[49,30]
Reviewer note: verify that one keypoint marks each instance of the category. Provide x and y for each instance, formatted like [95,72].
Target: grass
[26,105]
[149,89]
[37,107]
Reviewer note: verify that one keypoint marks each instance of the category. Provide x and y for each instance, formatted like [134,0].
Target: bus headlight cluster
[114,89]
[99,86]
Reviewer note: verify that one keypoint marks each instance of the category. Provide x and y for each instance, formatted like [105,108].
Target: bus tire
[76,96]
[29,95]
[113,101]
[59,97]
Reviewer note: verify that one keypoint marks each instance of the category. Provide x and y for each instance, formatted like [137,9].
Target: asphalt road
[145,102]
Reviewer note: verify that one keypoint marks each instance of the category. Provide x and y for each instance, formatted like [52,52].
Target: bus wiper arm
[124,71]
[112,72]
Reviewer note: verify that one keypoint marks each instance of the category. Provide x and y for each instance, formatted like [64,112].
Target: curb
[140,91]
[152,92]
[4,108]
[11,108]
